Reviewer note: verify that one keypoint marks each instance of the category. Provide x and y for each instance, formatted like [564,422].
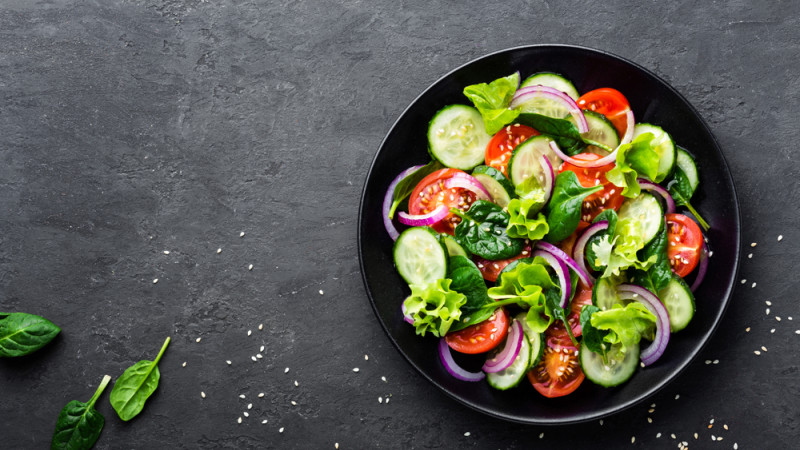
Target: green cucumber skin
[678,324]
[438,241]
[479,151]
[662,222]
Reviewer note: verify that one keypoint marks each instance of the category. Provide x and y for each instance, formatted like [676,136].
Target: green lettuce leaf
[525,219]
[434,307]
[625,325]
[635,159]
[492,101]
[525,285]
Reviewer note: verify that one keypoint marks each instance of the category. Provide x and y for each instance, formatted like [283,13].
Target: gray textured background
[132,127]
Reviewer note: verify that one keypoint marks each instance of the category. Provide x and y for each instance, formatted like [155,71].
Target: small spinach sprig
[482,231]
[22,334]
[134,387]
[681,191]
[79,425]
[564,208]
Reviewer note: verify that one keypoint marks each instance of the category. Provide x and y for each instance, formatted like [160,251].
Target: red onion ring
[654,305]
[510,351]
[558,253]
[454,369]
[424,220]
[608,159]
[701,269]
[407,317]
[387,201]
[579,253]
[470,183]
[562,272]
[549,176]
[648,185]
[528,93]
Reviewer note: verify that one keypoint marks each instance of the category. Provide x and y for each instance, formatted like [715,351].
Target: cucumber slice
[604,294]
[686,163]
[536,340]
[453,247]
[457,137]
[664,147]
[420,257]
[600,130]
[552,80]
[679,300]
[647,209]
[525,160]
[513,374]
[615,372]
[499,187]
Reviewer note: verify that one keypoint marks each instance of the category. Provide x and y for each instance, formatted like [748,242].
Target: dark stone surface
[132,127]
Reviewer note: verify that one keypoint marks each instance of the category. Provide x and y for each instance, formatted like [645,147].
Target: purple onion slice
[510,351]
[654,305]
[454,369]
[387,201]
[579,252]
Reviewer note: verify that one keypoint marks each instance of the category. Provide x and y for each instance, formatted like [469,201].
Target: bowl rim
[675,373]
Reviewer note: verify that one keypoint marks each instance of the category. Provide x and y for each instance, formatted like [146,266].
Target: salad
[544,236]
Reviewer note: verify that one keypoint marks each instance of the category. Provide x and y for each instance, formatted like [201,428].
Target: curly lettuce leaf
[492,101]
[525,285]
[524,221]
[635,159]
[625,326]
[620,250]
[434,307]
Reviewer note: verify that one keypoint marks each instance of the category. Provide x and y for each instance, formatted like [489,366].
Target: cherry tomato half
[610,103]
[481,337]
[430,193]
[684,244]
[491,269]
[498,151]
[559,372]
[608,198]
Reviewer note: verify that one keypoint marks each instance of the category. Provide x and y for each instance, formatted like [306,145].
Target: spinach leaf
[79,424]
[492,101]
[407,184]
[135,386]
[22,334]
[483,231]
[592,337]
[434,307]
[681,191]
[564,132]
[564,209]
[467,279]
[660,273]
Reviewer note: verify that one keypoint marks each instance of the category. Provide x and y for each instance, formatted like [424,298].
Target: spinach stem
[691,209]
[99,391]
[163,348]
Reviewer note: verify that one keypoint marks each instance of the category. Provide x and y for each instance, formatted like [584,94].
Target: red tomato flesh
[559,372]
[684,244]
[498,151]
[481,337]
[610,197]
[610,103]
[491,269]
[430,193]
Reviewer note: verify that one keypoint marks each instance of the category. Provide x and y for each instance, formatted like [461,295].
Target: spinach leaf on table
[407,184]
[483,231]
[135,386]
[564,209]
[22,334]
[79,424]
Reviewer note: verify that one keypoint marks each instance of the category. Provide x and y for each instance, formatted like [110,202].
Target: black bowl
[653,101]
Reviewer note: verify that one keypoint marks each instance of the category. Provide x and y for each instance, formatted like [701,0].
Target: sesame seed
[294,403]
[286,370]
[772,330]
[228,362]
[757,352]
[239,420]
[466,434]
[383,379]
[725,426]
[166,252]
[261,326]
[321,292]
[296,383]
[633,439]
[355,369]
[710,254]
[658,435]
[259,356]
[280,430]
[749,256]
[264,421]
[677,396]
[249,406]
[713,438]
[155,280]
[260,395]
[649,420]
[747,330]
[250,267]
[241,396]
[695,435]
[763,348]
[541,435]
[601,422]
[754,285]
[262,348]
[653,405]
[708,361]
[254,358]
[336,445]
[716,361]
[672,435]
[768,303]
[790,317]
[744,280]
[366,357]
[735,445]
[197,340]
[219,250]
[767,311]
[241,234]
[796,331]
[778,318]
[380,399]
[202,394]
[753,244]
[184,364]
[651,410]
[387,399]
